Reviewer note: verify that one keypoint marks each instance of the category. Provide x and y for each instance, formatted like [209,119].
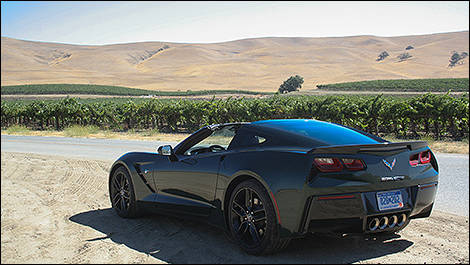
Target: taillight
[333,164]
[421,158]
[414,160]
[425,157]
[353,164]
[328,164]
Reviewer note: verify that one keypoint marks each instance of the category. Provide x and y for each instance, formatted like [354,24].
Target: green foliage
[422,85]
[439,116]
[108,90]
[293,83]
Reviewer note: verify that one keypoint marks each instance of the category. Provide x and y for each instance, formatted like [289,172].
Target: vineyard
[109,90]
[423,85]
[439,116]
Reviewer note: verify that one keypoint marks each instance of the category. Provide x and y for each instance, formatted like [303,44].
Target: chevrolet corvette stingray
[267,182]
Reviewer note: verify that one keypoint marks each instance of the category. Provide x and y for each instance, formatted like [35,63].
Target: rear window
[323,132]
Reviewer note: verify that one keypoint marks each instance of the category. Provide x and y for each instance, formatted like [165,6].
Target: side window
[245,139]
[218,141]
[260,139]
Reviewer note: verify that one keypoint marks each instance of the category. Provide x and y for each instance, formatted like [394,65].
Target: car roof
[272,123]
[290,122]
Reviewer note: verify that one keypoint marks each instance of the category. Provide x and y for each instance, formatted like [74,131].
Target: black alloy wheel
[249,220]
[122,193]
[252,220]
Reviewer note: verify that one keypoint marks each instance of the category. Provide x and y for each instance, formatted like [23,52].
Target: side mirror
[165,150]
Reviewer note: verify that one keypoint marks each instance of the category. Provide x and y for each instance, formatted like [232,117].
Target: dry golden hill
[260,64]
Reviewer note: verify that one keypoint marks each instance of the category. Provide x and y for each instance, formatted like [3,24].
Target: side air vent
[142,176]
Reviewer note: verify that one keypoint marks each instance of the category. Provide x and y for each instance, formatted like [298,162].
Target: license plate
[387,200]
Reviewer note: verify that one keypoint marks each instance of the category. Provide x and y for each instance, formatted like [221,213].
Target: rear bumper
[354,212]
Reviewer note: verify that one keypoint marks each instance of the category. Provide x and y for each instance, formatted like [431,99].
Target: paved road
[103,149]
[452,195]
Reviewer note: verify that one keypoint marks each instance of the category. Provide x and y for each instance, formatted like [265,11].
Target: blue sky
[208,22]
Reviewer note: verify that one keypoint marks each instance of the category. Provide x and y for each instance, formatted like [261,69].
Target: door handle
[222,157]
[189,161]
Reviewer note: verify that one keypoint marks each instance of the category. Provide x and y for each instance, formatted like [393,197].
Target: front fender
[142,183]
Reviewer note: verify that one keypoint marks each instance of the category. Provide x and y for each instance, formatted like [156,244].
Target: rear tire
[121,193]
[253,221]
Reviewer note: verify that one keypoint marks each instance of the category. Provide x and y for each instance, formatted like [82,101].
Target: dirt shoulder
[56,210]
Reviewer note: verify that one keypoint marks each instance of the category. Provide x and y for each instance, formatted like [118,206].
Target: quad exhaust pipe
[387,222]
[393,221]
[401,219]
[383,222]
[374,224]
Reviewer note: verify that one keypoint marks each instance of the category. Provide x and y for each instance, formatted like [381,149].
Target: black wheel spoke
[237,213]
[123,204]
[248,198]
[239,231]
[254,234]
[239,206]
[123,181]
[260,219]
[116,184]
[258,211]
[116,197]
[117,202]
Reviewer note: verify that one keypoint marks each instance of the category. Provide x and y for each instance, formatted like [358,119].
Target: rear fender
[282,173]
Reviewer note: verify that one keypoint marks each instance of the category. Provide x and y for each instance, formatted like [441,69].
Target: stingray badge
[390,166]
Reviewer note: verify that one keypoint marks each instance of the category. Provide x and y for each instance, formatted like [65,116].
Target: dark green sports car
[267,182]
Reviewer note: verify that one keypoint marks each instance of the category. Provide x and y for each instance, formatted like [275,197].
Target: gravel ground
[56,210]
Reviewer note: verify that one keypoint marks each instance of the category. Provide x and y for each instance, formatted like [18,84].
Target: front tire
[121,193]
[253,221]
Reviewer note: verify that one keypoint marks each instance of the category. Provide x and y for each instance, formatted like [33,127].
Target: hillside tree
[404,56]
[293,83]
[457,58]
[382,56]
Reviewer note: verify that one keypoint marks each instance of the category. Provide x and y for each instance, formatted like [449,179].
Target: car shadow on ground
[176,240]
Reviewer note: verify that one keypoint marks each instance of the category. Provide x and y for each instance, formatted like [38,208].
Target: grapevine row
[439,116]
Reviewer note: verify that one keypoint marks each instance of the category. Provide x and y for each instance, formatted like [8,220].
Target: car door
[188,183]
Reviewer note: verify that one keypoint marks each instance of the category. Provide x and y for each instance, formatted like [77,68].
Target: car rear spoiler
[369,148]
